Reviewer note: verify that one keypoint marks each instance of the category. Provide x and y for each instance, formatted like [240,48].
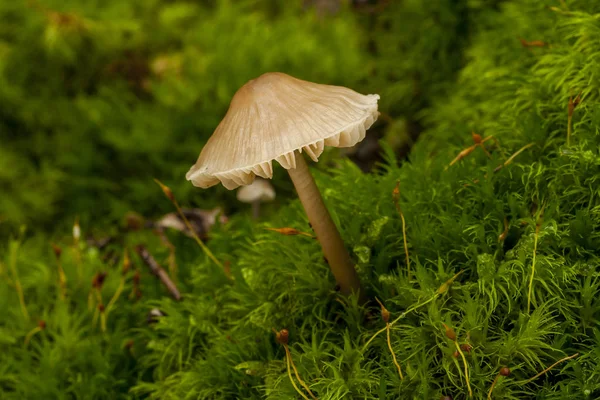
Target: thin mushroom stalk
[256,209]
[327,233]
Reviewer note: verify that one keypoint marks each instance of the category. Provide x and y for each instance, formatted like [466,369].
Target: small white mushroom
[277,117]
[259,191]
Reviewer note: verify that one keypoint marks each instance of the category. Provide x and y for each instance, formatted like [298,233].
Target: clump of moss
[518,217]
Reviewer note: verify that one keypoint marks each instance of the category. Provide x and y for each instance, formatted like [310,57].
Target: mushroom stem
[256,209]
[327,233]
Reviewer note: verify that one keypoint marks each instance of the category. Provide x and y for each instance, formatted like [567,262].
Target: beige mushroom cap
[259,190]
[274,115]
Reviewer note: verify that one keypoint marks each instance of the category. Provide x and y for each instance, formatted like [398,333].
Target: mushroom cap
[271,117]
[259,190]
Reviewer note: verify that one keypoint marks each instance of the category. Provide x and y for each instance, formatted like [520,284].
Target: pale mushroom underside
[269,121]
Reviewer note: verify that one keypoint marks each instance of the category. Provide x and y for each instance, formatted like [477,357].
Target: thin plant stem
[550,367]
[389,343]
[385,315]
[121,287]
[403,315]
[95,318]
[569,128]
[13,267]
[291,362]
[522,149]
[573,103]
[116,296]
[62,281]
[30,335]
[98,296]
[167,191]
[289,371]
[535,242]
[466,368]
[396,196]
[103,320]
[489,395]
[90,300]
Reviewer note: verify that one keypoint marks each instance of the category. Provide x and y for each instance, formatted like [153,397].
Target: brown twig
[158,271]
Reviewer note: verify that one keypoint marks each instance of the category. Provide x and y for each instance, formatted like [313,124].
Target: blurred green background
[99,97]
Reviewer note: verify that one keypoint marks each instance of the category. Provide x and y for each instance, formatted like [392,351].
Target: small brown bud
[455,354]
[129,344]
[57,251]
[396,191]
[126,263]
[385,314]
[229,338]
[98,280]
[134,222]
[137,277]
[450,334]
[466,347]
[476,137]
[504,371]
[166,190]
[282,336]
[573,103]
[42,324]
[101,308]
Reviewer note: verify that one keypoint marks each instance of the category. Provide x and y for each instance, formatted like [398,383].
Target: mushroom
[257,192]
[277,117]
